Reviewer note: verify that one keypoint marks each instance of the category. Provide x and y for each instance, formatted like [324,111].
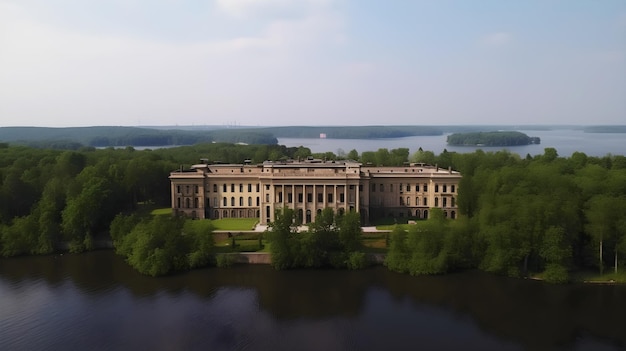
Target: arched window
[425,201]
[250,201]
[224,188]
[258,201]
[408,201]
[232,201]
[225,214]
[436,188]
[216,214]
[225,201]
[417,201]
[196,203]
[436,201]
[241,201]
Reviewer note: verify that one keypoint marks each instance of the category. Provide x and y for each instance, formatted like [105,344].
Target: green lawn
[590,276]
[161,211]
[235,223]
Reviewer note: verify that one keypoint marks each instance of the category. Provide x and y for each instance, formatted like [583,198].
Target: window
[373,188]
[445,202]
[267,187]
[425,188]
[267,197]
[225,201]
[249,188]
[224,188]
[445,188]
[178,189]
[241,188]
[214,188]
[330,197]
[417,201]
[436,201]
[232,201]
[309,197]
[232,188]
[408,201]
[425,202]
[258,188]
[280,196]
[382,188]
[249,200]
[195,189]
[241,201]
[341,197]
[300,197]
[400,187]
[408,187]
[451,188]
[401,201]
[320,197]
[215,203]
[196,203]
[258,201]
[436,188]
[452,200]
[290,197]
[267,212]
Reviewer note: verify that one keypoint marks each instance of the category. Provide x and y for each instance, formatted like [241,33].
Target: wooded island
[491,139]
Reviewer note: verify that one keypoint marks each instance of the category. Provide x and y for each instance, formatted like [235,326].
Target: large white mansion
[256,191]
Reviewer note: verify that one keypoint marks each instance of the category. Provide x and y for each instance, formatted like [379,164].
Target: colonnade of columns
[306,198]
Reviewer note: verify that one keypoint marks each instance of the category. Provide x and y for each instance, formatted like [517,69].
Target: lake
[96,301]
[565,141]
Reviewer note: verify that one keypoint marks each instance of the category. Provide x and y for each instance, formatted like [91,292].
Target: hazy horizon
[70,63]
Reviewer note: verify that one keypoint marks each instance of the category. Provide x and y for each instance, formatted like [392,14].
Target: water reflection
[259,308]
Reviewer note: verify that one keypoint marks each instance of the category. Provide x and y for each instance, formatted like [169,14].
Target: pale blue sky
[311,62]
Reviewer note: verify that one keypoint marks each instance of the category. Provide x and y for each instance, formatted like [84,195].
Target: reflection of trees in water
[534,314]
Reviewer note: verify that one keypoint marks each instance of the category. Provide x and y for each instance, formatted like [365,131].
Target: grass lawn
[161,211]
[591,276]
[241,245]
[235,223]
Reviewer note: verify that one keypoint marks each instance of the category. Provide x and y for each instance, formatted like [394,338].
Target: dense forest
[519,214]
[499,138]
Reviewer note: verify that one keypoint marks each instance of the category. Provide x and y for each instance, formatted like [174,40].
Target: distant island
[499,138]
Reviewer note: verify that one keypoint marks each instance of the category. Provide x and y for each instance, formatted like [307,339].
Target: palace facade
[256,191]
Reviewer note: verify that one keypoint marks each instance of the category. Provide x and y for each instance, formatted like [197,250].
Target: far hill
[129,136]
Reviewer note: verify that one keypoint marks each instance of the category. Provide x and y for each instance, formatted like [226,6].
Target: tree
[282,232]
[350,231]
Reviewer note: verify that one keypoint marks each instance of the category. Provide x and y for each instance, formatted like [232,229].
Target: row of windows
[407,201]
[232,201]
[187,189]
[407,187]
[309,197]
[232,188]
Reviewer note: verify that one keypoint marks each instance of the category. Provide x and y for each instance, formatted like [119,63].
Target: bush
[225,260]
[556,273]
[357,260]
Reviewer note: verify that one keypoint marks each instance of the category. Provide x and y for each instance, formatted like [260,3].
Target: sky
[67,63]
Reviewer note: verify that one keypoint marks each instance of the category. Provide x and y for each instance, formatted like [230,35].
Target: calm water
[564,141]
[95,301]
